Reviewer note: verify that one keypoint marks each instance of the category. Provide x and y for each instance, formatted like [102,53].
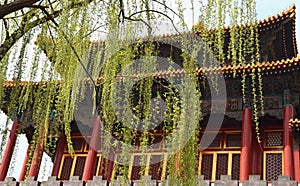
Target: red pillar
[59,154]
[297,164]
[246,153]
[36,160]
[24,166]
[10,145]
[110,165]
[288,113]
[92,153]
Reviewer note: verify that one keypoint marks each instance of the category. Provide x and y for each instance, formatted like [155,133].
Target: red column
[297,164]
[10,145]
[24,166]
[246,153]
[36,160]
[92,153]
[59,154]
[288,113]
[110,164]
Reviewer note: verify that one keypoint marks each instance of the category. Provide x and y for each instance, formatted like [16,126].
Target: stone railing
[225,180]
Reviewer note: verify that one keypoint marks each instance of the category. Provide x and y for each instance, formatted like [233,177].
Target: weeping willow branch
[25,26]
[17,34]
[71,46]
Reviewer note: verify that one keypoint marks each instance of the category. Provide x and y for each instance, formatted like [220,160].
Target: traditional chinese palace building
[235,150]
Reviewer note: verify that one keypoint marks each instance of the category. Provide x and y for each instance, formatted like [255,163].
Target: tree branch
[6,28]
[25,27]
[70,45]
[154,11]
[15,6]
[131,17]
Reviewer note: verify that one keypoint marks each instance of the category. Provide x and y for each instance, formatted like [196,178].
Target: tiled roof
[269,22]
[10,84]
[290,12]
[280,66]
[267,66]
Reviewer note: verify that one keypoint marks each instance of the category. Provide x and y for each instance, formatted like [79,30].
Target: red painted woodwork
[36,160]
[92,153]
[297,164]
[59,154]
[246,153]
[110,165]
[257,157]
[9,149]
[177,164]
[288,113]
[24,166]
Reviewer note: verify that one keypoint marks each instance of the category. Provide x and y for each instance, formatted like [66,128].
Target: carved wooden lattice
[155,143]
[155,167]
[137,171]
[79,166]
[206,166]
[77,143]
[273,166]
[274,139]
[233,140]
[66,168]
[120,169]
[235,170]
[216,142]
[96,166]
[222,165]
[103,167]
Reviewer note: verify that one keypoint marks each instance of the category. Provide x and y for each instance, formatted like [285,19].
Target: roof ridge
[290,10]
[225,69]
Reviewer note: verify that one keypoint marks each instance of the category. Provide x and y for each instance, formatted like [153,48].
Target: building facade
[235,150]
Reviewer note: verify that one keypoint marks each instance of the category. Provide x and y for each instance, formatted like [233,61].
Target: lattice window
[206,166]
[215,164]
[77,143]
[273,165]
[216,142]
[274,139]
[119,170]
[222,165]
[233,140]
[137,169]
[235,170]
[155,143]
[155,167]
[66,168]
[79,166]
[96,165]
[103,167]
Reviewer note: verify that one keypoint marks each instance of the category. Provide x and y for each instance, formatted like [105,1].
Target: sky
[265,8]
